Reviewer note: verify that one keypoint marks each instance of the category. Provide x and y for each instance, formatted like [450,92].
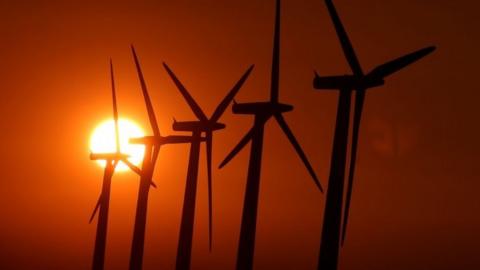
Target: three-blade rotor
[208,125]
[148,103]
[377,74]
[268,112]
[113,159]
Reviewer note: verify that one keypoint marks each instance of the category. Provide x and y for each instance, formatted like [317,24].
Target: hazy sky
[415,203]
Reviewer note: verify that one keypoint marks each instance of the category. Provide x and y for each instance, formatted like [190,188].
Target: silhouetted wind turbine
[262,111]
[152,150]
[207,125]
[111,160]
[360,82]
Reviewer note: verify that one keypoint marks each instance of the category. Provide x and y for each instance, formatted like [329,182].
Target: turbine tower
[359,81]
[262,111]
[152,150]
[203,125]
[112,160]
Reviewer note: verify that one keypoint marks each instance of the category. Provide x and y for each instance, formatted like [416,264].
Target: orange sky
[415,203]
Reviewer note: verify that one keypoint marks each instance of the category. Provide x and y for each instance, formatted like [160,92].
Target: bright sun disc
[103,141]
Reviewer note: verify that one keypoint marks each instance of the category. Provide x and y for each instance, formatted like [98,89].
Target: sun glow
[102,140]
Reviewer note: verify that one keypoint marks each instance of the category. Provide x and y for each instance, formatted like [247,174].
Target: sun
[102,140]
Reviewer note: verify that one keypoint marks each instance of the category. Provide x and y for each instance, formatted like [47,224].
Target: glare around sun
[102,140]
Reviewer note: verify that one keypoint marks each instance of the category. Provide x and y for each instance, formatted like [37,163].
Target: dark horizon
[414,205]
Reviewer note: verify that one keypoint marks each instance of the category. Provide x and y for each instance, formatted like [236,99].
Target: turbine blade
[114,166]
[191,102]
[275,80]
[146,96]
[136,170]
[175,139]
[283,124]
[95,210]
[344,40]
[115,108]
[156,152]
[357,117]
[132,167]
[107,173]
[393,66]
[238,147]
[209,138]
[226,101]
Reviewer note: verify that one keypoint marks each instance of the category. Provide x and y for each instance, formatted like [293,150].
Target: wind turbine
[203,125]
[103,202]
[360,82]
[262,111]
[152,150]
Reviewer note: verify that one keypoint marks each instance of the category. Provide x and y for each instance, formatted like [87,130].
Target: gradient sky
[415,203]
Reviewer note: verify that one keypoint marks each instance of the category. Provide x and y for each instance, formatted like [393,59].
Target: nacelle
[147,140]
[346,82]
[267,108]
[198,126]
[108,156]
